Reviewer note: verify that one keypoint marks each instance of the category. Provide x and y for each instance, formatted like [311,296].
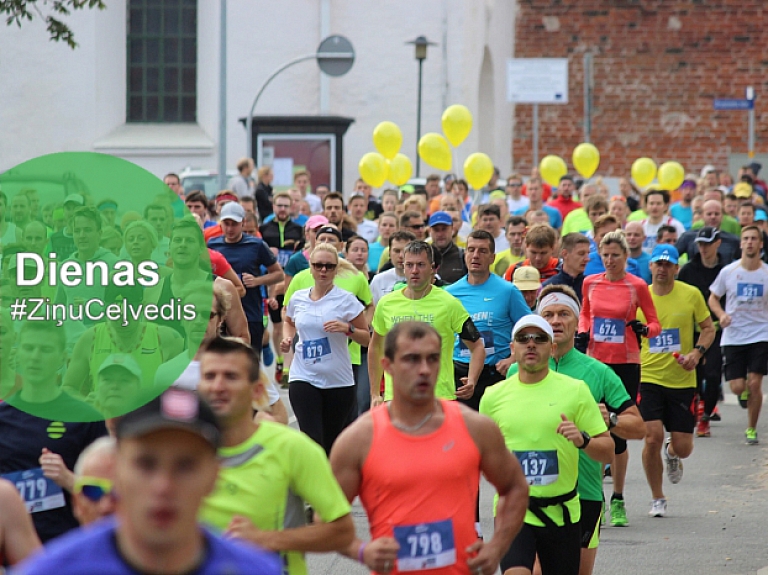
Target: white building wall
[56,99]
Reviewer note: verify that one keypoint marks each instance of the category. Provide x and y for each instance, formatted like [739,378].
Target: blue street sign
[733,104]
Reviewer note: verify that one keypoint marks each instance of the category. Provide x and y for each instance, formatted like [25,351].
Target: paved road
[716,522]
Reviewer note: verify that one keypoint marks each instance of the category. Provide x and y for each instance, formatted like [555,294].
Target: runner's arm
[649,311]
[18,539]
[375,369]
[706,336]
[237,324]
[631,424]
[717,309]
[471,338]
[232,276]
[274,275]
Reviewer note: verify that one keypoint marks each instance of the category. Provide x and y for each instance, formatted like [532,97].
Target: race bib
[749,296]
[487,337]
[425,546]
[38,492]
[316,350]
[283,256]
[666,342]
[539,467]
[608,330]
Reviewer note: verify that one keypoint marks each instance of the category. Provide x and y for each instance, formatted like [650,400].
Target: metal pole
[249,119]
[418,123]
[751,142]
[535,135]
[223,95]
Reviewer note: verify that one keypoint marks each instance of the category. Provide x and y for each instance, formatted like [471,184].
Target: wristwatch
[351,330]
[586,437]
[701,348]
[613,420]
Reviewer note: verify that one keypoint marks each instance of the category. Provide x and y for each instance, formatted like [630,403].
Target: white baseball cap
[533,320]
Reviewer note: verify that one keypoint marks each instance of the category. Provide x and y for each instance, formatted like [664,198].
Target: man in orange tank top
[426,524]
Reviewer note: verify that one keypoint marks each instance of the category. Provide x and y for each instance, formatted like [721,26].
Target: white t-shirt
[518,204]
[322,358]
[501,242]
[651,229]
[746,301]
[315,203]
[190,377]
[383,283]
[368,230]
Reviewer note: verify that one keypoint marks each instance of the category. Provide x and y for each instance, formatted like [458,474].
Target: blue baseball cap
[440,218]
[665,253]
[760,216]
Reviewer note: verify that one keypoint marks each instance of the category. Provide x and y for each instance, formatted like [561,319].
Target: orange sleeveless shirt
[422,491]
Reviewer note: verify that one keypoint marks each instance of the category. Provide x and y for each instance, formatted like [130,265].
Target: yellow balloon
[478,169]
[387,138]
[552,168]
[643,171]
[671,175]
[400,169]
[586,159]
[434,150]
[457,123]
[373,169]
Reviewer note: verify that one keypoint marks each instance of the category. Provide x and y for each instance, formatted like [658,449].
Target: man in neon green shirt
[268,470]
[559,305]
[546,418]
[419,300]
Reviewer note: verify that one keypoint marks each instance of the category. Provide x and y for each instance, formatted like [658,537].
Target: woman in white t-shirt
[325,317]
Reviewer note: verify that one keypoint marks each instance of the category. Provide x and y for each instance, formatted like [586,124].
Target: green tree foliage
[52,12]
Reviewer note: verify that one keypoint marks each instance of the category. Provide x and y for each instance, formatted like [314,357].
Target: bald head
[635,235]
[712,213]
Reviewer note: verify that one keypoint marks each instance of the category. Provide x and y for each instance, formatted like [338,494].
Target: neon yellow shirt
[636,216]
[528,415]
[577,221]
[439,309]
[678,311]
[356,284]
[267,478]
[504,260]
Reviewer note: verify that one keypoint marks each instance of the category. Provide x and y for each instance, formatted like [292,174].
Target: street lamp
[420,45]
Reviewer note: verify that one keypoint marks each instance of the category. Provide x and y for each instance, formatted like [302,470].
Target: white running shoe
[674,465]
[658,508]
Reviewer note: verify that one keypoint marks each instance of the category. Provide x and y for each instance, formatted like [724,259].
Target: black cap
[707,235]
[330,230]
[174,409]
[756,166]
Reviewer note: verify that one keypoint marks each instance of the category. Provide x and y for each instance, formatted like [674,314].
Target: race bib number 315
[38,492]
[425,546]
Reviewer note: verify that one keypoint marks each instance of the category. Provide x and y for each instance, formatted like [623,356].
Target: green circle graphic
[106,286]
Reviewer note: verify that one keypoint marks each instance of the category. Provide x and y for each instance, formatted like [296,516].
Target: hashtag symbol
[18,310]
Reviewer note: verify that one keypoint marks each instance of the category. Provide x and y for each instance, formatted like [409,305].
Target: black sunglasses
[539,338]
[322,266]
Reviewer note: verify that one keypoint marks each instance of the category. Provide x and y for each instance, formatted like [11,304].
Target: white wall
[54,99]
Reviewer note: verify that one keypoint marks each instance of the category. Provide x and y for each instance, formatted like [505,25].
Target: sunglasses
[322,266]
[416,226]
[538,338]
[94,488]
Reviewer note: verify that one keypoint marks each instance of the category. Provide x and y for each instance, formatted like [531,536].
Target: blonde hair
[344,268]
[419,200]
[616,237]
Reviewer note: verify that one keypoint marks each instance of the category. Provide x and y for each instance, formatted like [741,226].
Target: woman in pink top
[608,321]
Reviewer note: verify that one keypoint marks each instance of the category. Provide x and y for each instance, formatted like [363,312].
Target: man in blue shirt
[494,305]
[165,464]
[682,211]
[535,202]
[247,254]
[574,252]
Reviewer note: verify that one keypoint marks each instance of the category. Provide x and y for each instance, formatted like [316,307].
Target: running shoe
[267,355]
[702,429]
[715,416]
[658,508]
[743,398]
[618,513]
[674,465]
[751,434]
[279,370]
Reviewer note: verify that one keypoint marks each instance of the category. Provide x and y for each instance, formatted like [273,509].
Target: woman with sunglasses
[608,324]
[325,317]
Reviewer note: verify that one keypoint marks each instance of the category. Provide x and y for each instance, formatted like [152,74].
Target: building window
[162,61]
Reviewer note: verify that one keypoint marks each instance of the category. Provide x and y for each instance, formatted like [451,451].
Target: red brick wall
[657,65]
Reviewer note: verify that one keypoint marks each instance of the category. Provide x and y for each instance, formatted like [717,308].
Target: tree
[16,11]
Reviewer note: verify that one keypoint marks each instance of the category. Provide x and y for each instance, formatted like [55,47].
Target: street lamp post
[420,45]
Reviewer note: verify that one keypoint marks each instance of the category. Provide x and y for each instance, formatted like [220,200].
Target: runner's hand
[581,341]
[242,528]
[336,326]
[604,412]
[249,281]
[638,327]
[380,554]
[502,366]
[482,558]
[466,390]
[376,400]
[725,320]
[272,303]
[285,344]
[689,361]
[56,470]
[569,430]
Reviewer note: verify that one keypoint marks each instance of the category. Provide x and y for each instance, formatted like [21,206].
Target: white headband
[558,298]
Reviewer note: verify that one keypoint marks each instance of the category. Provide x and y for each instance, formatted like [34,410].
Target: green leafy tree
[52,12]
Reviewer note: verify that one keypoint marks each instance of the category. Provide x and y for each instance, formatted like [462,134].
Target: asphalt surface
[716,517]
